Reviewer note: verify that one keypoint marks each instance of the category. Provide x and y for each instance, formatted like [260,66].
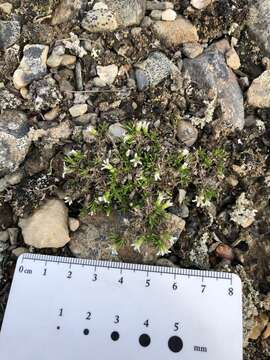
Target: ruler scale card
[65,308]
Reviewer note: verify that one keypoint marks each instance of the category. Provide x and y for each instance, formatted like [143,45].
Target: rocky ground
[139,131]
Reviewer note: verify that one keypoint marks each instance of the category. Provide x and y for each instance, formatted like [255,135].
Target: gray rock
[8,100]
[210,71]
[9,33]
[116,131]
[13,235]
[14,141]
[258,94]
[259,24]
[120,14]
[65,11]
[92,239]
[186,132]
[153,70]
[159,5]
[192,50]
[33,65]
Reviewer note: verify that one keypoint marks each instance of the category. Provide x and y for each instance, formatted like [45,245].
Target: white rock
[47,227]
[168,15]
[107,73]
[99,82]
[78,110]
[73,224]
[54,60]
[100,5]
[4,236]
[6,7]
[200,4]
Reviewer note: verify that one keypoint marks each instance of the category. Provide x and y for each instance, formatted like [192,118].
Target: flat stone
[232,59]
[258,94]
[168,15]
[177,32]
[200,4]
[192,50]
[47,227]
[117,131]
[210,71]
[187,133]
[9,33]
[120,14]
[66,11]
[14,141]
[152,70]
[32,66]
[78,110]
[107,74]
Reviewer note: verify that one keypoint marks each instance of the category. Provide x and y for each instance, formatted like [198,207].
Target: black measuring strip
[129,266]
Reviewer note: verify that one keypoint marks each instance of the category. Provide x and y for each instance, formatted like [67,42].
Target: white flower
[107,166]
[105,198]
[128,152]
[184,166]
[142,125]
[163,250]
[136,161]
[157,176]
[68,200]
[201,201]
[138,243]
[163,201]
[185,152]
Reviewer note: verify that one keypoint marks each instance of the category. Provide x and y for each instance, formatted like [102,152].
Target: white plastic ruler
[73,309]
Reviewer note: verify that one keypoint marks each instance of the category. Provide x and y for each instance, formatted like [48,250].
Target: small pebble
[107,73]
[4,236]
[52,114]
[19,251]
[73,224]
[147,21]
[78,76]
[187,133]
[68,60]
[168,15]
[225,252]
[232,59]
[156,14]
[78,110]
[13,235]
[200,4]
[116,131]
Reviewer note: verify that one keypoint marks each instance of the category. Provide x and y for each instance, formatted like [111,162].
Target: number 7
[203,288]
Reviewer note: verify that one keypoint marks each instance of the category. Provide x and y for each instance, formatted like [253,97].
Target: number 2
[69,276]
[88,316]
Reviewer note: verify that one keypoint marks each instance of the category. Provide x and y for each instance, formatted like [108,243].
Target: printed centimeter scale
[130,306]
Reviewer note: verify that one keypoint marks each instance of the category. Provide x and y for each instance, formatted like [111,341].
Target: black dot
[175,344]
[86,331]
[144,340]
[115,335]
[58,328]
